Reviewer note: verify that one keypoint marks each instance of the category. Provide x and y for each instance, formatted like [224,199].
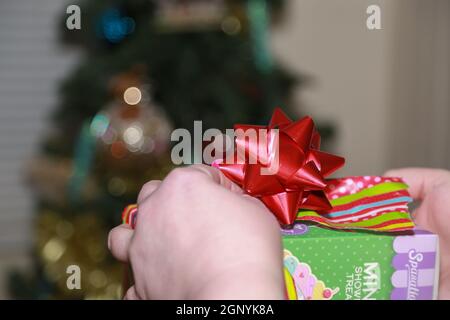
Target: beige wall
[420,85]
[366,80]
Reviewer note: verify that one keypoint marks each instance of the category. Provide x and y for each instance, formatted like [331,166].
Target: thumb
[420,180]
[119,240]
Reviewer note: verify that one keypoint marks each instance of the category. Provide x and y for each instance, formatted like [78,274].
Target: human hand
[432,188]
[198,236]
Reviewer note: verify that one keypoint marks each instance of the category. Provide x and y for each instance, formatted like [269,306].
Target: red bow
[299,181]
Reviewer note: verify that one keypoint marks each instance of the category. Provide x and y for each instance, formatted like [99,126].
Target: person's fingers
[420,180]
[200,173]
[131,294]
[217,177]
[119,241]
[148,189]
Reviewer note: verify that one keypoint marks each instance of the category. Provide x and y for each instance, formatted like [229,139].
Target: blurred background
[86,115]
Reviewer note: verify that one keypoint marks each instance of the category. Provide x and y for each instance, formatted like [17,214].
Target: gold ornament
[133,136]
[79,239]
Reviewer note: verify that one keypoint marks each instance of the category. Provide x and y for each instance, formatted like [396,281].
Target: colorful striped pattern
[369,203]
[363,203]
[129,215]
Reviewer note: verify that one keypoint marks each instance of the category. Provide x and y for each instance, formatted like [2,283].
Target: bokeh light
[132,96]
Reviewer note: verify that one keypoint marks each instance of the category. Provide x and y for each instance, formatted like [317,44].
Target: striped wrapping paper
[129,215]
[369,203]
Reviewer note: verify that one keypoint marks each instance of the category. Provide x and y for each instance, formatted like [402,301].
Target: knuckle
[150,185]
[183,176]
[177,175]
[147,189]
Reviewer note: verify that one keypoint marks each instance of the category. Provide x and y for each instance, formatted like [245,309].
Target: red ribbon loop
[299,182]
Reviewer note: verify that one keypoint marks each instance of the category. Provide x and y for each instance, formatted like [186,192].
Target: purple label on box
[415,266]
[297,229]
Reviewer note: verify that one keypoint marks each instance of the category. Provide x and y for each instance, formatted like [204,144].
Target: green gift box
[324,264]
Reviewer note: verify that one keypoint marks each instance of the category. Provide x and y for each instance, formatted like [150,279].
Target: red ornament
[299,182]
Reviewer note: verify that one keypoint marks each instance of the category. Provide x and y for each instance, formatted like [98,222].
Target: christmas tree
[148,67]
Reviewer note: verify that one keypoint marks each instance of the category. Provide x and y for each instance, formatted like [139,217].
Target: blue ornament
[114,27]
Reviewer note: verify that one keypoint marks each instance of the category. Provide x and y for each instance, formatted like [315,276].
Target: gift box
[350,238]
[363,245]
[323,264]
